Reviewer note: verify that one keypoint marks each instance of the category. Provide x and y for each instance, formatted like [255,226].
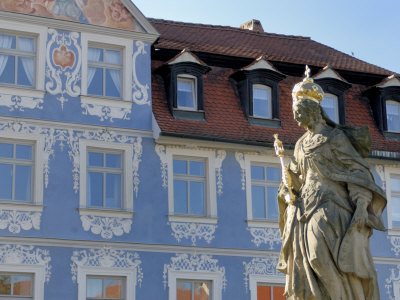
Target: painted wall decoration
[220,156]
[106,258]
[161,152]
[395,242]
[110,13]
[265,235]
[240,159]
[19,103]
[26,255]
[193,231]
[393,279]
[140,92]
[63,64]
[107,227]
[106,111]
[261,266]
[15,221]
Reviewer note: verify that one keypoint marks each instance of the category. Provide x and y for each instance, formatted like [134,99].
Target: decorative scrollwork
[193,231]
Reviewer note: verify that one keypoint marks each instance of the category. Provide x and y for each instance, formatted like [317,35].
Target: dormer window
[258,89]
[186,95]
[393,116]
[262,106]
[331,106]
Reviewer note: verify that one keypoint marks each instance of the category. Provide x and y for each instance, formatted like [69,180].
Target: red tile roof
[230,41]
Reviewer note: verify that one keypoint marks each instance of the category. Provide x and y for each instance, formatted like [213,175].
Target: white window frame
[396,289]
[249,160]
[336,120]
[391,102]
[126,47]
[210,193]
[193,80]
[37,142]
[389,172]
[40,35]
[269,89]
[214,277]
[130,275]
[127,193]
[38,272]
[267,279]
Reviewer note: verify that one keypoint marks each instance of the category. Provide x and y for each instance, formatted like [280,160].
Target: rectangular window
[103,288]
[189,186]
[265,182]
[105,177]
[17,60]
[266,291]
[16,171]
[393,116]
[395,201]
[186,92]
[262,105]
[330,106]
[16,286]
[193,290]
[104,72]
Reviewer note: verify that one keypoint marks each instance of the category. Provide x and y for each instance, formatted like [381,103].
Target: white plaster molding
[193,231]
[106,109]
[239,156]
[140,93]
[56,73]
[15,221]
[186,266]
[26,255]
[19,103]
[395,242]
[380,170]
[106,227]
[162,154]
[220,156]
[392,284]
[258,266]
[137,158]
[265,235]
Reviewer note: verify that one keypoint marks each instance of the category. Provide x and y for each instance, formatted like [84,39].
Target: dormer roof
[260,63]
[329,72]
[389,81]
[186,56]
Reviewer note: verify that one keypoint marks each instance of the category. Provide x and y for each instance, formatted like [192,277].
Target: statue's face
[302,116]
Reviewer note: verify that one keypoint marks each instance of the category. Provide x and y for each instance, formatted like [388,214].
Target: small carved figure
[325,231]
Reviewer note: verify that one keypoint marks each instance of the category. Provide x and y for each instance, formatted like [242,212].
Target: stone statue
[328,208]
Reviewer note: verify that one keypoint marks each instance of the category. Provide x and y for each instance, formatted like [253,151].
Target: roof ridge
[230,28]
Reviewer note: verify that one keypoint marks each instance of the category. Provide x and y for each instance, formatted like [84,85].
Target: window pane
[185,93]
[7,41]
[113,160]
[202,291]
[273,174]
[26,44]
[8,74]
[330,106]
[5,284]
[95,54]
[113,57]
[113,83]
[183,290]
[261,102]
[257,172]
[25,71]
[95,189]
[180,197]
[196,168]
[263,292]
[395,203]
[197,198]
[395,184]
[94,288]
[6,173]
[6,150]
[272,195]
[113,191]
[180,166]
[95,159]
[22,285]
[113,288]
[278,291]
[95,81]
[393,116]
[23,183]
[258,198]
[23,152]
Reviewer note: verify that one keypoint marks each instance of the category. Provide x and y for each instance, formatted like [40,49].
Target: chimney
[253,25]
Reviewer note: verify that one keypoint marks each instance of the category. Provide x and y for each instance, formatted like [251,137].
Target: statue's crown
[307,89]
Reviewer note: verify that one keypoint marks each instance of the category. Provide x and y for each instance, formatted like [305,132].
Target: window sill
[273,123]
[105,213]
[395,232]
[192,219]
[192,115]
[22,91]
[21,206]
[262,223]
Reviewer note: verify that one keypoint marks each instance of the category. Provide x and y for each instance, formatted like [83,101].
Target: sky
[367,29]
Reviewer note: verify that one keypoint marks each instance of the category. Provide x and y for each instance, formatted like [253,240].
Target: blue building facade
[97,204]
